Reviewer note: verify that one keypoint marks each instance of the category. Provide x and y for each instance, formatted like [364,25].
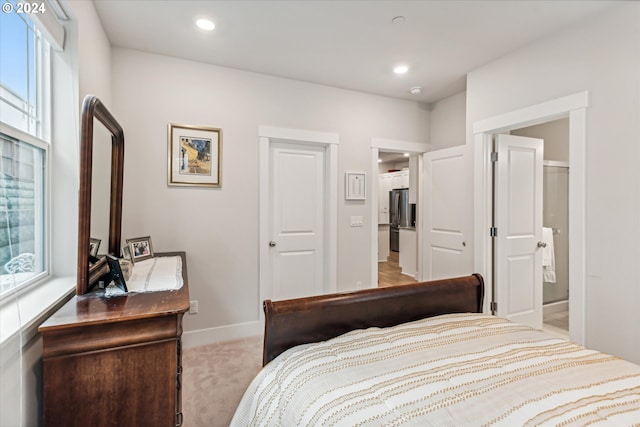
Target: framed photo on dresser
[140,248]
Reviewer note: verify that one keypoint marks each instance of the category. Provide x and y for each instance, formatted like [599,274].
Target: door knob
[272,244]
[542,245]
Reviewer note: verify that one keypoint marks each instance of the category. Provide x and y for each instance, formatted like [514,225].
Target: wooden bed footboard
[304,320]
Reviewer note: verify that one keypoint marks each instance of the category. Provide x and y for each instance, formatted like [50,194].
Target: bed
[424,354]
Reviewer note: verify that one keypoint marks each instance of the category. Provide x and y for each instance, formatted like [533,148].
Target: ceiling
[346,44]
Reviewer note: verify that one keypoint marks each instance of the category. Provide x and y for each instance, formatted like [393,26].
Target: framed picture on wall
[355,186]
[195,155]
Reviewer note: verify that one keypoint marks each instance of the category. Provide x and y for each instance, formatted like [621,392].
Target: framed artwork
[195,155]
[355,186]
[140,248]
[94,244]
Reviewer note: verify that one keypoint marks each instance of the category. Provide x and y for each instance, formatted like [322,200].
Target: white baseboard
[221,333]
[555,307]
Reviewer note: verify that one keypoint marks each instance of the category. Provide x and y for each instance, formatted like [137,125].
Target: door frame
[381,144]
[330,141]
[575,107]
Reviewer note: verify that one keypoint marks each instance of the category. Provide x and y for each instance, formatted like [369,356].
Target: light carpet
[214,379]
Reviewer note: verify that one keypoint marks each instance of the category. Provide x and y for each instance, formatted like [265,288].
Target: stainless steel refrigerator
[400,215]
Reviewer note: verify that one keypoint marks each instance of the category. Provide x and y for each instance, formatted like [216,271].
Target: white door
[518,219]
[448,213]
[297,220]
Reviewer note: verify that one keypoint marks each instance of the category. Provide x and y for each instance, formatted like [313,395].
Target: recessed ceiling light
[416,90]
[407,154]
[205,24]
[398,19]
[400,69]
[379,160]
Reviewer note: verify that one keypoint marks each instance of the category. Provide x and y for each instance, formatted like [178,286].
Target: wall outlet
[193,307]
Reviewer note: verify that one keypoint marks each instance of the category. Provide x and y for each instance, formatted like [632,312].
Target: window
[24,145]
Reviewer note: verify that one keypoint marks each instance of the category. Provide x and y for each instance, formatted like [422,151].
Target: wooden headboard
[303,320]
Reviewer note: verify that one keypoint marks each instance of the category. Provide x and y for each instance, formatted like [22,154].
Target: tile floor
[556,322]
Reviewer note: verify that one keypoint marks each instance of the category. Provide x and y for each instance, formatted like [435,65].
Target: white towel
[548,256]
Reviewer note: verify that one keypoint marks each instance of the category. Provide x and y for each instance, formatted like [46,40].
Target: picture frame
[355,186]
[126,253]
[94,245]
[194,156]
[140,248]
[115,274]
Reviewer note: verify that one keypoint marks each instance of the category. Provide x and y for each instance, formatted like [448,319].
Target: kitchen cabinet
[408,251]
[387,182]
[400,179]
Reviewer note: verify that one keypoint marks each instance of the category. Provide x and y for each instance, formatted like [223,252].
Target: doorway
[555,219]
[397,245]
[573,107]
[381,254]
[298,213]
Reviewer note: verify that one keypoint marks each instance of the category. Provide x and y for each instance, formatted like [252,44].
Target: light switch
[356,221]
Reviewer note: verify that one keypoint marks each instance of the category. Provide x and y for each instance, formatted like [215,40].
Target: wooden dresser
[115,361]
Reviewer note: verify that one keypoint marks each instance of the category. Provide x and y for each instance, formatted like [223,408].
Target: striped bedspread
[451,370]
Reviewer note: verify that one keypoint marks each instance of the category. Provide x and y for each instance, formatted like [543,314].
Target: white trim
[23,136]
[50,26]
[555,163]
[268,134]
[575,106]
[375,196]
[420,274]
[399,146]
[577,224]
[298,135]
[27,309]
[393,145]
[532,115]
[208,336]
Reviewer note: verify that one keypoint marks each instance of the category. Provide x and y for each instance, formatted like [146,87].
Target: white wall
[556,138]
[21,357]
[601,56]
[448,121]
[218,228]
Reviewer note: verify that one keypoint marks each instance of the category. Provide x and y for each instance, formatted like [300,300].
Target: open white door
[518,220]
[297,218]
[448,213]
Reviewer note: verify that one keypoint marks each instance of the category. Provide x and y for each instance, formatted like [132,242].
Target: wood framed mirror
[95,113]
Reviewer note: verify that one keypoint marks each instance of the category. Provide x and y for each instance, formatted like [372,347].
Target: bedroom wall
[601,56]
[218,228]
[448,121]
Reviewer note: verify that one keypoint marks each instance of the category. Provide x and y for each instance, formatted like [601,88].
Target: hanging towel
[548,256]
